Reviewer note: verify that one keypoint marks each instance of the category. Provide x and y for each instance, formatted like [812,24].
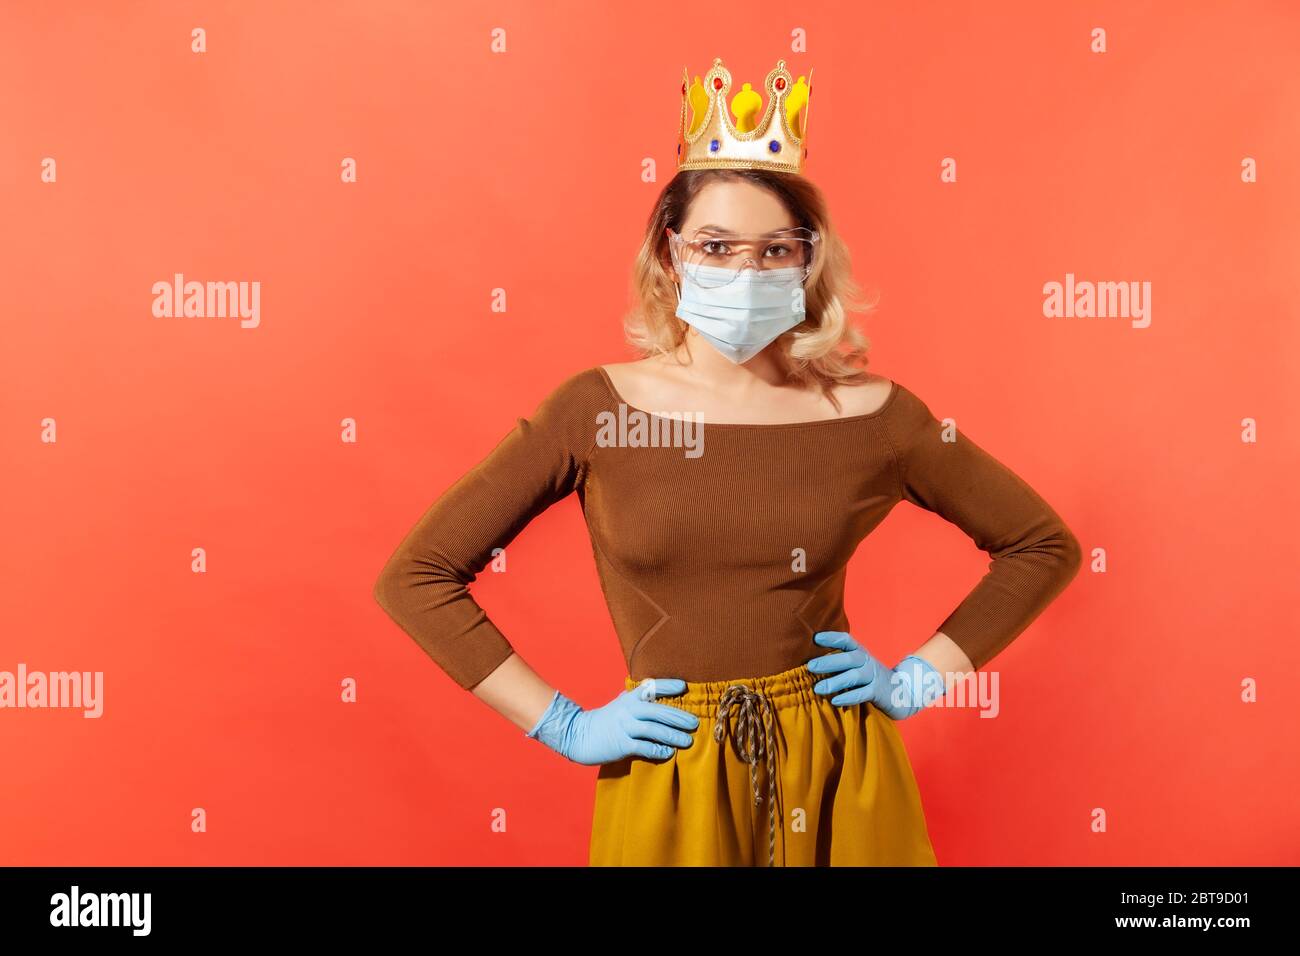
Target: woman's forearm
[516,692]
[948,659]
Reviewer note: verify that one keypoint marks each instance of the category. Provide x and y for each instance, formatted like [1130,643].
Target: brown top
[722,564]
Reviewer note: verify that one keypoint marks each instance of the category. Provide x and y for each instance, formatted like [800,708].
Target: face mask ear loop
[675,286]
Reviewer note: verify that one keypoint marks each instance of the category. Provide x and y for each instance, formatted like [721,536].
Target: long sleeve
[424,586]
[1034,554]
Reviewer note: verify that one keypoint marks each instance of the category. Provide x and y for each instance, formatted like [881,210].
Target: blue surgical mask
[743,317]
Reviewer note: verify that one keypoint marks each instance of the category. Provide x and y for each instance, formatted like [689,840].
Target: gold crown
[709,139]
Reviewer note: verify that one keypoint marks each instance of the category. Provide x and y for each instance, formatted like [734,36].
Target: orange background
[522,171]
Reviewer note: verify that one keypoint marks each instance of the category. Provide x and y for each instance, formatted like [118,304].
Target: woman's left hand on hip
[858,677]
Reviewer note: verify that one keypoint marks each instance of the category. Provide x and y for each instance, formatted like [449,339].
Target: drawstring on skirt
[752,740]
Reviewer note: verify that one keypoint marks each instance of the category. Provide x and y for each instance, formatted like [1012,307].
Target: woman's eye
[780,250]
[715,248]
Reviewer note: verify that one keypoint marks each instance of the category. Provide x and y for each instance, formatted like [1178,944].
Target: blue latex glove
[630,724]
[900,691]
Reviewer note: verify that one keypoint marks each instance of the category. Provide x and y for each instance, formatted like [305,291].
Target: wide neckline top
[693,552]
[889,400]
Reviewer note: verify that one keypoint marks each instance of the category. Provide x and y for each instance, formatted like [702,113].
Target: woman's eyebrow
[723,231]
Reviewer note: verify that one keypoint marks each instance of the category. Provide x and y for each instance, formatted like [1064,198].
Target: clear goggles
[712,261]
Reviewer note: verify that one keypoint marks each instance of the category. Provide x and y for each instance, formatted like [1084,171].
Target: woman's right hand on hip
[629,725]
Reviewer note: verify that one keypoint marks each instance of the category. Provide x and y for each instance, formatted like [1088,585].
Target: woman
[722,555]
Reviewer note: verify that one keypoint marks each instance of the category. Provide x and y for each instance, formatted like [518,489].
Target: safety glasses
[712,260]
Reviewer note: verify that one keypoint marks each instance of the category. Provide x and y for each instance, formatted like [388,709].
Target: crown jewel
[710,139]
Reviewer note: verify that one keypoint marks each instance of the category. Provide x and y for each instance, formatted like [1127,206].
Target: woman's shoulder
[572,405]
[907,417]
[874,395]
[886,400]
[576,387]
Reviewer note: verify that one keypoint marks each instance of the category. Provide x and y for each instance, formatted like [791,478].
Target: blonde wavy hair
[822,351]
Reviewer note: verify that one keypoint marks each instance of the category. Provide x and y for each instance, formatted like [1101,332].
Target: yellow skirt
[844,795]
